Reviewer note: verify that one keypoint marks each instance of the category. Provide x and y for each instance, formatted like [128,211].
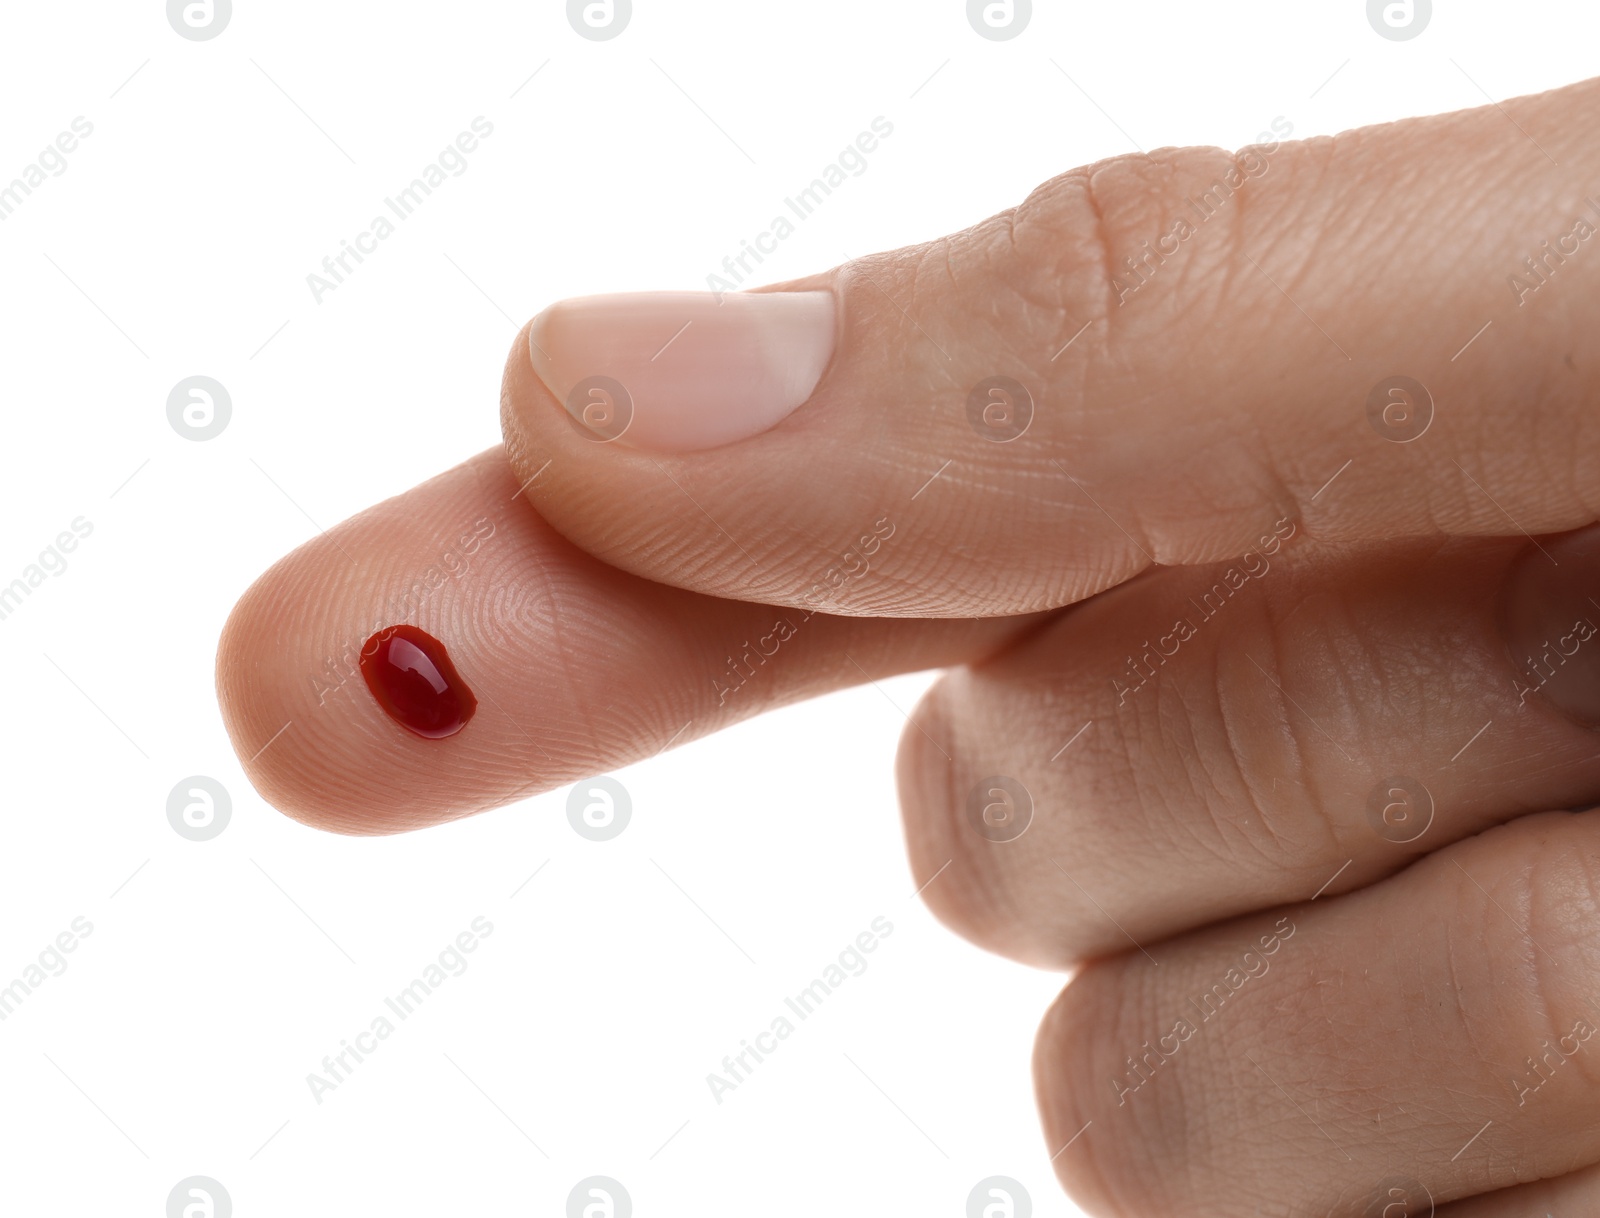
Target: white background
[177,242]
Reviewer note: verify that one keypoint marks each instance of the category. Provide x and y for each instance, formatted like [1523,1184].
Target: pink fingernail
[678,372]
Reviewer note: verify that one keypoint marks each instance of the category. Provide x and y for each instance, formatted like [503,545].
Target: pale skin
[1380,1008]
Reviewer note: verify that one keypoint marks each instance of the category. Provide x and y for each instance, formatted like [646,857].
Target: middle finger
[1201,743]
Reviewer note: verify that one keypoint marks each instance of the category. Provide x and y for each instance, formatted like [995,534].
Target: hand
[1330,632]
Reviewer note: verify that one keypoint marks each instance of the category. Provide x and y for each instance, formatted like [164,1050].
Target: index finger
[575,668]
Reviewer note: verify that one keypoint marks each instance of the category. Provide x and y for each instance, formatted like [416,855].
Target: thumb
[1167,358]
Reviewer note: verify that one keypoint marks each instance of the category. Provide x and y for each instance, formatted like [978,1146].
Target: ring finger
[1429,1038]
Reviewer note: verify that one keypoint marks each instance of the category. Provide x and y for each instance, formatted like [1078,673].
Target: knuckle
[1066,254]
[1077,239]
[1093,1132]
[1539,899]
[1270,798]
[1113,226]
[1152,1070]
[957,830]
[1218,764]
[1148,248]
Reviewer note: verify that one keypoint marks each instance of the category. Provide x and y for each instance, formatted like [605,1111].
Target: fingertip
[313,739]
[311,762]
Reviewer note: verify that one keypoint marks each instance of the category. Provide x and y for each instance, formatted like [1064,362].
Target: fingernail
[676,372]
[1550,612]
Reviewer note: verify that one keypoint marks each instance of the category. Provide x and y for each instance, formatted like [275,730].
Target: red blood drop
[410,674]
